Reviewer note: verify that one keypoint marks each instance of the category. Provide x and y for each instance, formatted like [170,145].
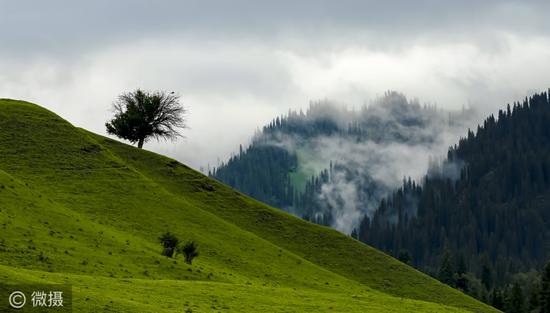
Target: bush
[170,242]
[189,250]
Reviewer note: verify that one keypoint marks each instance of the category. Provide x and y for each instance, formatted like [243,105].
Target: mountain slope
[492,216]
[82,209]
[332,165]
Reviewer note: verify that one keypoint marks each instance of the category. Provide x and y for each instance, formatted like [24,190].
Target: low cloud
[370,154]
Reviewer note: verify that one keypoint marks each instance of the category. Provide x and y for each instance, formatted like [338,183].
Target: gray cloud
[62,25]
[239,63]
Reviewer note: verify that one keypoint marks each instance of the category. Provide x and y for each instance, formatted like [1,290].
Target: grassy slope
[79,208]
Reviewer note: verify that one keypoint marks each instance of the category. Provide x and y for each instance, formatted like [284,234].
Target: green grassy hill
[78,208]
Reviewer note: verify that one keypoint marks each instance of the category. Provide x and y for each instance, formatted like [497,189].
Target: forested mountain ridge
[493,220]
[332,165]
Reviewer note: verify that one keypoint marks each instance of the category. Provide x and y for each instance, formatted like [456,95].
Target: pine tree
[534,302]
[486,274]
[446,269]
[515,303]
[496,299]
[404,256]
[544,298]
[461,265]
[354,234]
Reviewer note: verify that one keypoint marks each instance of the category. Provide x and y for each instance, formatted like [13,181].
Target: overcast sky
[237,64]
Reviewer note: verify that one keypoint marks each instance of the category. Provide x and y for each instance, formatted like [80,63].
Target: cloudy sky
[237,64]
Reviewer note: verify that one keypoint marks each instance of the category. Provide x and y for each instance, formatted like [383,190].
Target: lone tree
[140,115]
[189,250]
[170,242]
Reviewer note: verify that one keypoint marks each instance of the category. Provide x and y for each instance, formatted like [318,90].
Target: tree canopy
[140,115]
[190,251]
[169,242]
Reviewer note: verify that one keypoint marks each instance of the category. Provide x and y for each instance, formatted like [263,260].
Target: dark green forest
[486,232]
[264,174]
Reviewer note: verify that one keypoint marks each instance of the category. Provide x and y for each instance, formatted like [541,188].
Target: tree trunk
[140,143]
